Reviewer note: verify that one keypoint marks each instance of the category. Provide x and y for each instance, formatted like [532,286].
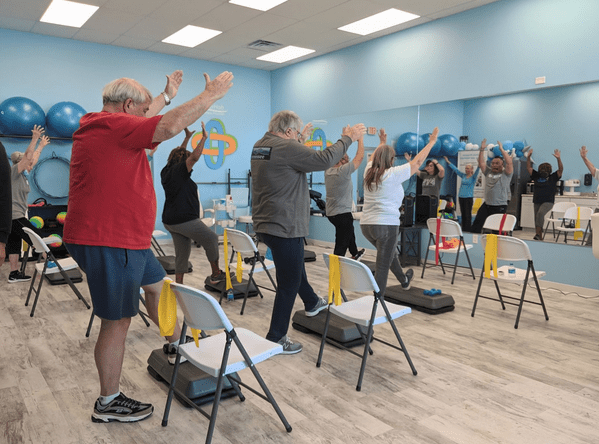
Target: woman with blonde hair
[383,195]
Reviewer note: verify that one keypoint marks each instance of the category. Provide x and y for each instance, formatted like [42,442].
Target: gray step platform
[238,288]
[415,297]
[74,275]
[340,330]
[198,386]
[168,263]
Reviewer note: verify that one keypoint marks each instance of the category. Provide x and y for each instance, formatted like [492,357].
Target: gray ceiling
[142,24]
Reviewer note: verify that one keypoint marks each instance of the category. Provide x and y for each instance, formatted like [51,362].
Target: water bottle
[230,295]
[511,270]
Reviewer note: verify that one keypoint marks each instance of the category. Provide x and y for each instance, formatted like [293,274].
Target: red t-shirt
[112,202]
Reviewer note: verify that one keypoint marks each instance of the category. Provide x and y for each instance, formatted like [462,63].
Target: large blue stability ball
[436,149]
[18,116]
[408,143]
[449,145]
[62,120]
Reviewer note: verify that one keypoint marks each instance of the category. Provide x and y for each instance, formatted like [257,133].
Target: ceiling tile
[16,24]
[111,22]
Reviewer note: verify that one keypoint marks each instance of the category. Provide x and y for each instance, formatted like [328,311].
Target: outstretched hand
[408,156]
[172,83]
[557,154]
[356,131]
[220,85]
[45,140]
[434,135]
[584,152]
[305,134]
[37,131]
[382,137]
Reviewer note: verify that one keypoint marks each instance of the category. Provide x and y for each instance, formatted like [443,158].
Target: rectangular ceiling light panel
[378,22]
[65,13]
[260,5]
[285,54]
[191,36]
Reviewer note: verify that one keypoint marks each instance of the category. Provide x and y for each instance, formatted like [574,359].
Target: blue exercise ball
[408,143]
[436,149]
[462,146]
[508,145]
[62,120]
[449,145]
[18,116]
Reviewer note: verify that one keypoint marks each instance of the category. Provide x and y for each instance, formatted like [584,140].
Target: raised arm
[44,140]
[440,168]
[509,163]
[170,91]
[179,118]
[482,162]
[357,160]
[197,152]
[26,162]
[382,137]
[560,166]
[423,154]
[587,162]
[453,167]
[529,162]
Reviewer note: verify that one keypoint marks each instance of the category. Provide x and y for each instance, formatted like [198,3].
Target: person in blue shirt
[466,193]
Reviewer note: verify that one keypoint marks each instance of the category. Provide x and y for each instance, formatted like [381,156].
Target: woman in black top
[181,214]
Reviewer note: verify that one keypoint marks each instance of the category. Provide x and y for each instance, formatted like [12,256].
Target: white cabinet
[527,218]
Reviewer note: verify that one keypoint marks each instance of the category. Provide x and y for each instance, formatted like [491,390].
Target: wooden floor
[479,380]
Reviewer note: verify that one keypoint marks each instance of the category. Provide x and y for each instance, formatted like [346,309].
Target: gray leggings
[384,238]
[184,233]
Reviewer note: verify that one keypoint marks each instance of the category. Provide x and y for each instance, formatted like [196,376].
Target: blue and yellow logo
[226,144]
[318,140]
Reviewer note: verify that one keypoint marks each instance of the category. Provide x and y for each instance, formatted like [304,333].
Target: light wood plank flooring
[479,380]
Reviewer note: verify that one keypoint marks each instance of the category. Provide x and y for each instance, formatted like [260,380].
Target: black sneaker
[221,276]
[358,255]
[121,409]
[171,351]
[537,237]
[408,283]
[17,276]
[320,305]
[289,347]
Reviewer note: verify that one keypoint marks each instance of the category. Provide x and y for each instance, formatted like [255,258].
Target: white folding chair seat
[243,244]
[595,234]
[366,311]
[501,223]
[556,216]
[42,269]
[569,221]
[448,229]
[511,249]
[220,355]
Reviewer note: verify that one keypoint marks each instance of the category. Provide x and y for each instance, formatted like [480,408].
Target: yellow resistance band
[491,255]
[334,280]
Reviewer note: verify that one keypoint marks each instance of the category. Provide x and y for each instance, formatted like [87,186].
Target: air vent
[264,45]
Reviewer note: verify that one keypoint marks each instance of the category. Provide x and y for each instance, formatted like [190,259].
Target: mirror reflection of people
[466,192]
[23,163]
[497,185]
[281,211]
[544,190]
[383,195]
[432,176]
[595,173]
[339,202]
[181,214]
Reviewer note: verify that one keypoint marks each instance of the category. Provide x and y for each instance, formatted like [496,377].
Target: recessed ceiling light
[63,12]
[285,54]
[382,20]
[191,36]
[260,5]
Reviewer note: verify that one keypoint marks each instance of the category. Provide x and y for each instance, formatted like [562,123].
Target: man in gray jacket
[281,210]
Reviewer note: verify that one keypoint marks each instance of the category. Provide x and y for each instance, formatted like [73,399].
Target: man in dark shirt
[544,189]
[5,203]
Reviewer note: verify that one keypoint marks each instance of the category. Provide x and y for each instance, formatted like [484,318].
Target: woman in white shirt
[383,195]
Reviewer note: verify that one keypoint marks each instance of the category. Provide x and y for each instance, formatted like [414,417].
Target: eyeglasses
[298,135]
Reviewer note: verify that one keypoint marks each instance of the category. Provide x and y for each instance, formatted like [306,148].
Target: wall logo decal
[225,144]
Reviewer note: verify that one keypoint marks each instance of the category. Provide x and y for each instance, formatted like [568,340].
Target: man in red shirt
[112,209]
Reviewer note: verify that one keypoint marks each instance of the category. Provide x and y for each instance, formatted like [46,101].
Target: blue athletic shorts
[114,276]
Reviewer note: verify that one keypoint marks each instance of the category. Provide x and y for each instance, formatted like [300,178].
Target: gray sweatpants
[184,233]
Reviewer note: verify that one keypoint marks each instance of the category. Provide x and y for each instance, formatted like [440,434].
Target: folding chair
[448,229]
[42,269]
[569,222]
[141,314]
[220,356]
[511,249]
[243,244]
[556,216]
[365,312]
[500,224]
